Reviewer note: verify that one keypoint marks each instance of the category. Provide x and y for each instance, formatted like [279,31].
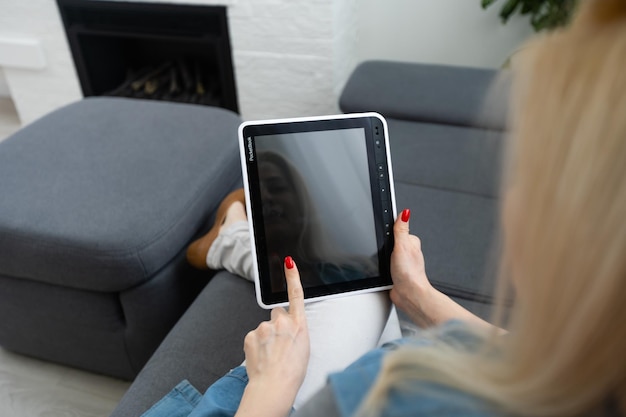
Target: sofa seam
[448,190]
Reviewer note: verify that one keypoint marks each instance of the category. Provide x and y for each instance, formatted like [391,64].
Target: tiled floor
[33,388]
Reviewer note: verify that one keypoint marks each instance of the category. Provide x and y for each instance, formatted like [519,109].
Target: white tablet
[319,189]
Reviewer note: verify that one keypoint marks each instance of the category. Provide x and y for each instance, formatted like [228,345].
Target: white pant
[341,329]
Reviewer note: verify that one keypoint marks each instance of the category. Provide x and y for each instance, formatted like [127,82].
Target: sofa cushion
[456,231]
[450,158]
[448,177]
[429,93]
[103,193]
[446,128]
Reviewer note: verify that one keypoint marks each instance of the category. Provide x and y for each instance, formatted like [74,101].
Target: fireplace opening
[166,52]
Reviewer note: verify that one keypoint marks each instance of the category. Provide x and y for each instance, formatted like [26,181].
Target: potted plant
[544,14]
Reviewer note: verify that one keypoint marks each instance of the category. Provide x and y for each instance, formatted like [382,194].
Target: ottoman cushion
[102,194]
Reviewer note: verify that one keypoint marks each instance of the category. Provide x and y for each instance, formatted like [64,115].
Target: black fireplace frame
[96,28]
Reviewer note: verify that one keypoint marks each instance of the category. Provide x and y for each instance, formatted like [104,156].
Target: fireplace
[171,52]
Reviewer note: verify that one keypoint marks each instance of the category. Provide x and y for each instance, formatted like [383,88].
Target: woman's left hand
[277,354]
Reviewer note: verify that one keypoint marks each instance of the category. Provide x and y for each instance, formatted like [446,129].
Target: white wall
[282,51]
[345,41]
[37,91]
[291,56]
[455,32]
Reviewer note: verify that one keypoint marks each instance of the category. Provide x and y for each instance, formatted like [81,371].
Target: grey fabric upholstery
[100,199]
[429,93]
[112,187]
[205,344]
[105,332]
[461,160]
[448,175]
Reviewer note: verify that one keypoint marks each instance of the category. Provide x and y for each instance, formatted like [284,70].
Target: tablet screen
[314,198]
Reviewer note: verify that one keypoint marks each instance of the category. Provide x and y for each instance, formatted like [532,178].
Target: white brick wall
[35,92]
[289,59]
[283,55]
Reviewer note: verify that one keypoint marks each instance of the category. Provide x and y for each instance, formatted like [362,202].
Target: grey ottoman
[98,202]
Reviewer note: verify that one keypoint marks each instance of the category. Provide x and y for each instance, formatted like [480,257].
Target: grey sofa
[445,143]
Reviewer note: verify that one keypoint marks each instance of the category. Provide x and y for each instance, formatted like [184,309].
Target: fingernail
[406,215]
[289,262]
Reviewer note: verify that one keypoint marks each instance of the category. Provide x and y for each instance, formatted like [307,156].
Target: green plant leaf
[508,9]
[541,22]
[531,6]
[544,14]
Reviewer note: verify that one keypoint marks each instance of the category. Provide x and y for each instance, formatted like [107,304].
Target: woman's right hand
[277,354]
[411,292]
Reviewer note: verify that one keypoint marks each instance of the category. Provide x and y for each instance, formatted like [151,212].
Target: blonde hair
[564,238]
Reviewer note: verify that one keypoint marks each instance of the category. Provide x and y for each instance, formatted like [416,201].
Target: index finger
[294,289]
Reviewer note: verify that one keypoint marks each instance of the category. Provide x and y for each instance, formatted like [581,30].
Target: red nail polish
[406,215]
[289,262]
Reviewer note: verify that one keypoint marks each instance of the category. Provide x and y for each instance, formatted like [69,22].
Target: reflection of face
[280,204]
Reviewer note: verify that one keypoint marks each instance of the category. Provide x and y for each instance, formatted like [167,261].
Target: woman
[564,238]
[563,252]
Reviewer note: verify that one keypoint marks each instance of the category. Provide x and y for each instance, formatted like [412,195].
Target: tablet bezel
[379,166]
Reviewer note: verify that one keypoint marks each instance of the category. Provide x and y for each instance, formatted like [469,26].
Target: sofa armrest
[203,346]
[429,93]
